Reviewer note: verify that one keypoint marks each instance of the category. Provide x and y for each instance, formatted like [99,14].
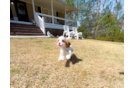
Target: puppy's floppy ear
[67,43]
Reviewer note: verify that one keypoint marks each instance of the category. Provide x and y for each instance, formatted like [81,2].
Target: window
[43,10]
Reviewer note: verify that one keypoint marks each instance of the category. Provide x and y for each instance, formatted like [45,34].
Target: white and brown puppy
[65,48]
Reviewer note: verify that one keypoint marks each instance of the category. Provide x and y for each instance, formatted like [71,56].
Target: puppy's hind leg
[68,55]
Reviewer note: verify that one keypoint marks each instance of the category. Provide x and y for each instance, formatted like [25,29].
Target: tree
[100,20]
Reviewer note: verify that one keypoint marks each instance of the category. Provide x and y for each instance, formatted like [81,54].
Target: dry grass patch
[98,64]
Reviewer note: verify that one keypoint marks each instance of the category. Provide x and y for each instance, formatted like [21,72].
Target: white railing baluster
[40,22]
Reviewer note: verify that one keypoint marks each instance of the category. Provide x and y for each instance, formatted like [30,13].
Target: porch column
[33,5]
[52,12]
[65,16]
[33,8]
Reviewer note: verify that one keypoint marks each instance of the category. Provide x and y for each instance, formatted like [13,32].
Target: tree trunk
[77,13]
[117,7]
[100,15]
[96,29]
[102,7]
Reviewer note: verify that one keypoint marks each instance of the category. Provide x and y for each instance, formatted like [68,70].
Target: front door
[11,15]
[21,10]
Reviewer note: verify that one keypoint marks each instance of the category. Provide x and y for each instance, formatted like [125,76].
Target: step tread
[26,33]
[26,30]
[24,27]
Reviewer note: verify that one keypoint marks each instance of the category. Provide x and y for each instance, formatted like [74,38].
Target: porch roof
[57,5]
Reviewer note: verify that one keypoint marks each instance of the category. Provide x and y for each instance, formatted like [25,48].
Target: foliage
[100,19]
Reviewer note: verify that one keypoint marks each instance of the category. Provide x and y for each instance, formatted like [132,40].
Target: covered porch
[51,14]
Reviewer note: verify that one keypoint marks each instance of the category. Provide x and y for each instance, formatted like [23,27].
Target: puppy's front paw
[68,57]
[61,58]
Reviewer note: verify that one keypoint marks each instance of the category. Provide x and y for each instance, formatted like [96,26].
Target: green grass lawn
[34,64]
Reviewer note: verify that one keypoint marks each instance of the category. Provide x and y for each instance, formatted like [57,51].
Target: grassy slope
[33,63]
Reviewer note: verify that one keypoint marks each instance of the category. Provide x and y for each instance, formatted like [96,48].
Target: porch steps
[24,30]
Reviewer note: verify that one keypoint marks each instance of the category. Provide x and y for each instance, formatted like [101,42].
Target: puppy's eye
[63,41]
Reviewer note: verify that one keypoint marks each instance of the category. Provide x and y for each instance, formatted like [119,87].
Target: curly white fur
[65,48]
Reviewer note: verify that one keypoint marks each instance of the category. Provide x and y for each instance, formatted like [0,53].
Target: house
[36,17]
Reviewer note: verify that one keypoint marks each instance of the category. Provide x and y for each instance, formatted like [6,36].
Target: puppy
[65,48]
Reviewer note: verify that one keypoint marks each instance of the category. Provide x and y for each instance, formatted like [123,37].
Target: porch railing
[66,20]
[40,22]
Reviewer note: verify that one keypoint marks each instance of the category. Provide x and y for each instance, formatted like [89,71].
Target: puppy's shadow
[73,60]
